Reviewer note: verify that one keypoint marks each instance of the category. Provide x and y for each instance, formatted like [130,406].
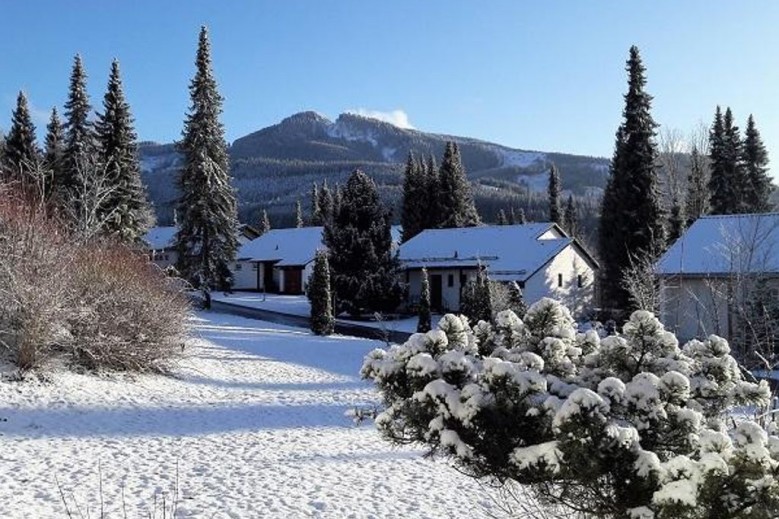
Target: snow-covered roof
[159,238]
[296,246]
[725,244]
[510,252]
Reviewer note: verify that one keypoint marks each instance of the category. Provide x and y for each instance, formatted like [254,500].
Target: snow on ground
[251,425]
[299,305]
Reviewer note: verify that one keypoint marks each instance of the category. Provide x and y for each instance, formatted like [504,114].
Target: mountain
[275,166]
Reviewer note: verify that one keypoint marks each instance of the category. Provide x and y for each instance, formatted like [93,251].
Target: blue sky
[546,75]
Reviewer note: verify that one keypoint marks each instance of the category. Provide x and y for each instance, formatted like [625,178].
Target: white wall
[570,264]
[694,307]
[245,275]
[164,258]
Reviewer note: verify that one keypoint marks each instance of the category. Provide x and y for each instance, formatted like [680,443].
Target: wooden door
[293,281]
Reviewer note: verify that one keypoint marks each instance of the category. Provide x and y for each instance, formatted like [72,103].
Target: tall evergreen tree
[21,157]
[126,210]
[316,213]
[207,239]
[454,192]
[516,300]
[325,203]
[299,215]
[502,218]
[697,201]
[570,220]
[415,199]
[53,151]
[676,222]
[631,215]
[80,141]
[322,320]
[732,152]
[364,267]
[755,163]
[435,213]
[721,188]
[521,220]
[264,225]
[555,206]
[423,312]
[476,300]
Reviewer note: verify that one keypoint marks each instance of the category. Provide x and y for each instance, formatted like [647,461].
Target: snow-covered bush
[630,426]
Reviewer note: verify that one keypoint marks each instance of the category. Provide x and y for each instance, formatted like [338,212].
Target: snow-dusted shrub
[630,426]
[35,263]
[127,314]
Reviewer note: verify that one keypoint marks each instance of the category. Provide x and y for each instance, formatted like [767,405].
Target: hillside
[274,166]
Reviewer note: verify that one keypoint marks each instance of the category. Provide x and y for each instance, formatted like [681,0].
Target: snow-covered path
[252,425]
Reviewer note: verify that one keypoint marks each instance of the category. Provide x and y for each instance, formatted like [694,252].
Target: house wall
[546,282]
[245,275]
[450,296]
[164,258]
[695,307]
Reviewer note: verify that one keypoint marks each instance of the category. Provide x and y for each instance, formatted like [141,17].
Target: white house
[540,257]
[707,275]
[161,243]
[280,260]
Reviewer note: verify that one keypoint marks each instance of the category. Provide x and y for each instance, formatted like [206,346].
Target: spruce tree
[20,160]
[435,213]
[553,191]
[364,266]
[502,219]
[207,239]
[322,320]
[521,220]
[570,220]
[517,300]
[80,141]
[721,189]
[697,201]
[676,223]
[53,152]
[264,225]
[631,215]
[755,163]
[454,192]
[299,215]
[126,210]
[415,195]
[316,213]
[325,203]
[21,157]
[476,300]
[732,152]
[423,312]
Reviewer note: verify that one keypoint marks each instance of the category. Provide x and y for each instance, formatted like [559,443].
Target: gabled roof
[159,238]
[288,247]
[510,252]
[725,244]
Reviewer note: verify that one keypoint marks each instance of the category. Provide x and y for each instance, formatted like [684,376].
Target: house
[707,276]
[161,243]
[280,260]
[540,257]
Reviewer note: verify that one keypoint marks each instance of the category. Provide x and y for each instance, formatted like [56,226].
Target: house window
[238,266]
[463,279]
[450,280]
[579,281]
[559,280]
[255,266]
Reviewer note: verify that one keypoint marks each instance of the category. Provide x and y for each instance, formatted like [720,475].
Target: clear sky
[545,75]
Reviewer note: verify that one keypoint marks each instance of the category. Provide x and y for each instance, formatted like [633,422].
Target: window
[463,279]
[579,281]
[238,266]
[255,266]
[450,280]
[559,280]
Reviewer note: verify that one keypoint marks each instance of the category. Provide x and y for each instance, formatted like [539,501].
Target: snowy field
[251,425]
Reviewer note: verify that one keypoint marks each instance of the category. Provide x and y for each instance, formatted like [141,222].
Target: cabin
[161,243]
[540,257]
[279,261]
[708,275]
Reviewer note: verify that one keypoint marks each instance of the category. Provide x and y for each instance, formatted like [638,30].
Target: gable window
[559,280]
[238,266]
[579,281]
[450,280]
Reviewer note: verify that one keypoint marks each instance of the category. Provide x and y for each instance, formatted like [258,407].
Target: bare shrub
[128,315]
[35,262]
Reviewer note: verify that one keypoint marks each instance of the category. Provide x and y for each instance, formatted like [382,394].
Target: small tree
[502,219]
[423,313]
[516,299]
[322,320]
[264,225]
[631,426]
[476,299]
[555,205]
[298,215]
